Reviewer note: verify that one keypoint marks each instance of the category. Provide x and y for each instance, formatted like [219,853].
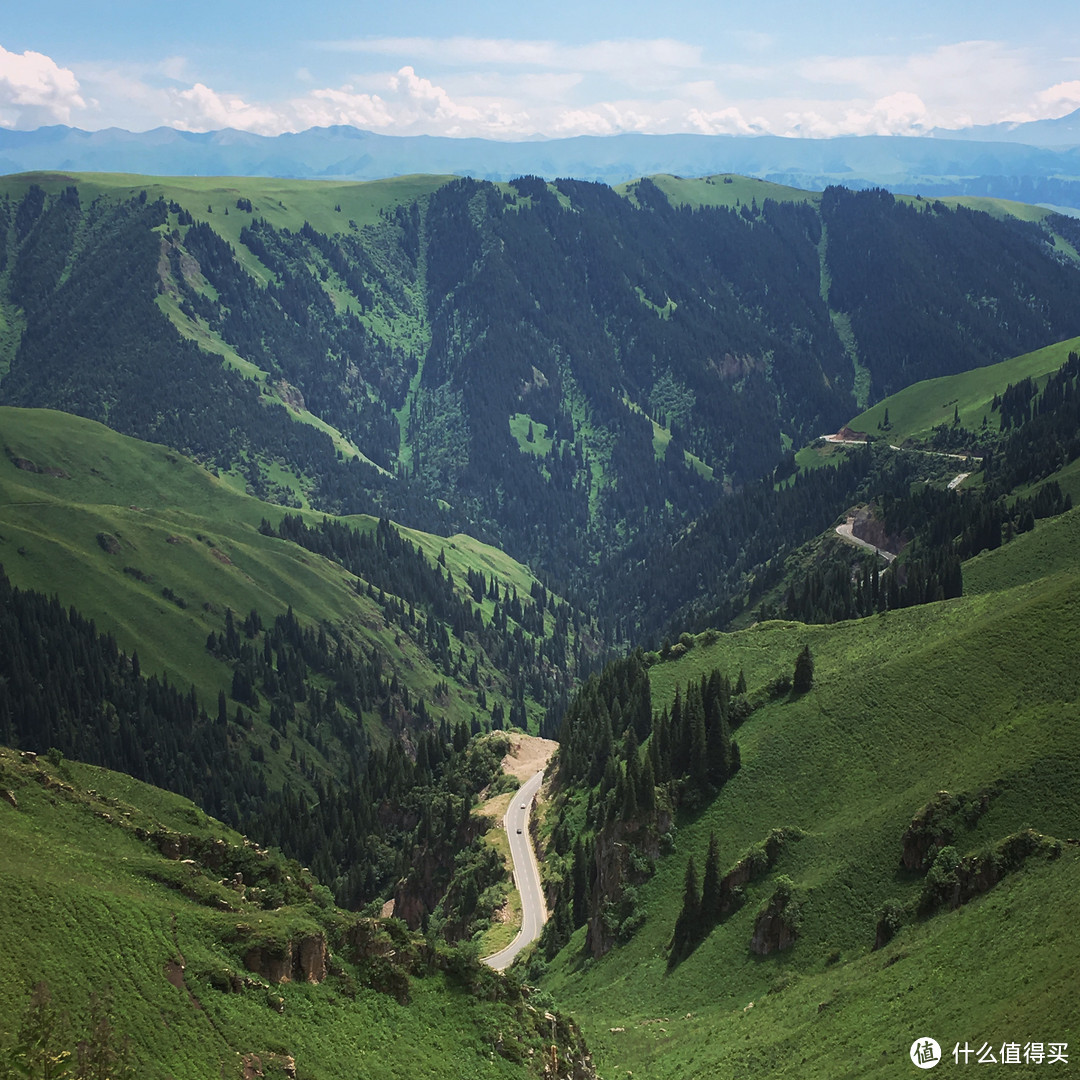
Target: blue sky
[547,69]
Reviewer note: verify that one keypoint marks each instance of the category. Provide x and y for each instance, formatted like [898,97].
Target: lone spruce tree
[688,924]
[710,886]
[804,671]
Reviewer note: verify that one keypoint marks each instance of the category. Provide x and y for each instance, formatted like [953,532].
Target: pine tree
[647,790]
[691,894]
[804,671]
[687,925]
[710,885]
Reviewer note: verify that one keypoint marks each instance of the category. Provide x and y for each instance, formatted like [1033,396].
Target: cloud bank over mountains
[521,88]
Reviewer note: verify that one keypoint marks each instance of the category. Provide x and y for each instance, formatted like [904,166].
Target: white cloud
[603,118]
[326,108]
[902,113]
[400,102]
[203,109]
[729,121]
[35,90]
[421,102]
[511,88]
[629,57]
[967,82]
[1064,95]
[1049,104]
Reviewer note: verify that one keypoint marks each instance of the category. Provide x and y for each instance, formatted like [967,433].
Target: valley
[338,522]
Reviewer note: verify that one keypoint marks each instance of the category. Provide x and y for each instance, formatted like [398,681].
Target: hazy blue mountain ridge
[998,160]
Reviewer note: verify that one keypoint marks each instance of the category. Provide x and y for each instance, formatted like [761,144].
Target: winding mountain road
[845,533]
[526,873]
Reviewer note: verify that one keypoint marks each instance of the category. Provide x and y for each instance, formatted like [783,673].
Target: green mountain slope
[220,959]
[108,522]
[314,681]
[916,411]
[974,696]
[577,373]
[393,344]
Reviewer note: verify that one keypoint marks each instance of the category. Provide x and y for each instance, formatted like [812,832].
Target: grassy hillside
[422,324]
[1050,549]
[732,190]
[287,203]
[228,205]
[169,524]
[915,411]
[728,190]
[971,695]
[92,907]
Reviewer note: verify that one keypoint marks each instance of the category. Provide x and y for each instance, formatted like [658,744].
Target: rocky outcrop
[936,824]
[42,470]
[430,875]
[211,853]
[108,543]
[752,866]
[848,435]
[311,958]
[625,853]
[772,934]
[777,924]
[238,863]
[304,960]
[417,894]
[255,1065]
[866,527]
[952,882]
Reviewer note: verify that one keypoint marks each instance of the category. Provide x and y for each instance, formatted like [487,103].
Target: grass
[1049,549]
[520,423]
[176,526]
[996,208]
[284,203]
[732,190]
[88,906]
[916,410]
[962,695]
[723,189]
[946,979]
[501,933]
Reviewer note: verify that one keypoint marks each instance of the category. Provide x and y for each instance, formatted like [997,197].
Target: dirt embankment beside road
[528,755]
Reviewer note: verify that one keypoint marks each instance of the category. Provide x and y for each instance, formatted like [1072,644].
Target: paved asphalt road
[526,873]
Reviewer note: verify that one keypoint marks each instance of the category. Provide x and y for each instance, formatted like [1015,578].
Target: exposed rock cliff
[303,960]
[777,924]
[937,823]
[624,856]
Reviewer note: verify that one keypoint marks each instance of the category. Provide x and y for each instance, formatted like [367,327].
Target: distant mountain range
[1035,162]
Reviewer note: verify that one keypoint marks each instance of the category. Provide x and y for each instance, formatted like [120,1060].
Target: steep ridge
[296,675]
[975,697]
[558,367]
[169,945]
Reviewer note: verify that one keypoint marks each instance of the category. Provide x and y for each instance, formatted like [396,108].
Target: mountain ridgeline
[559,368]
[625,390]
